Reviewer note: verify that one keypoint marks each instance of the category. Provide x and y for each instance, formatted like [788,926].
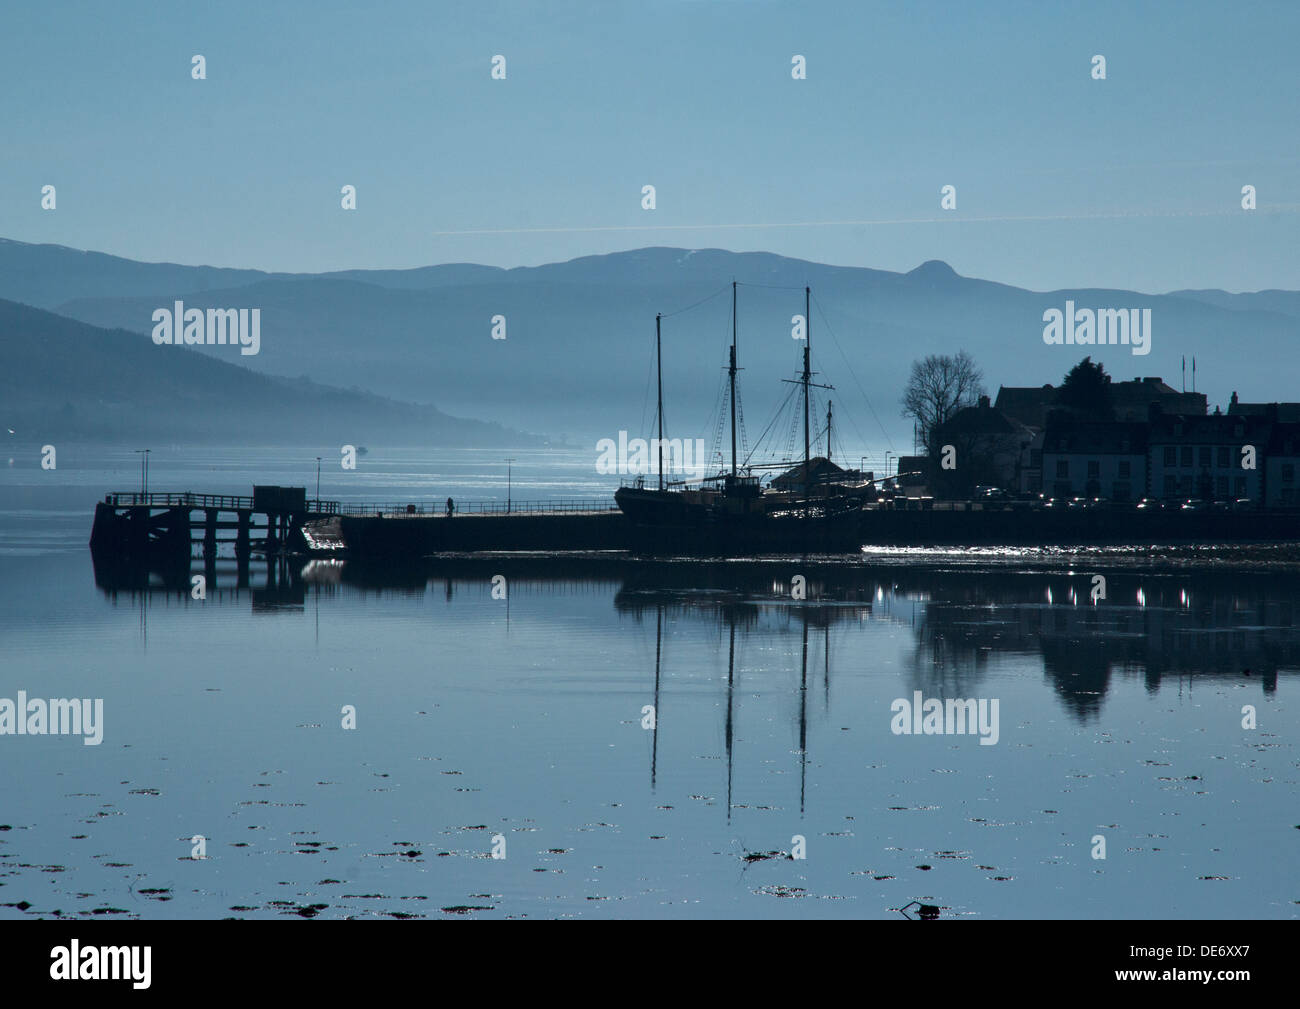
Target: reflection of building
[1244,628]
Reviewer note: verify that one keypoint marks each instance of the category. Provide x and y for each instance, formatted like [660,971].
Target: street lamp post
[318,483]
[887,456]
[509,463]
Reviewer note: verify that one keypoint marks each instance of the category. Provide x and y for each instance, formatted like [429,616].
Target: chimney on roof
[1233,401]
[984,402]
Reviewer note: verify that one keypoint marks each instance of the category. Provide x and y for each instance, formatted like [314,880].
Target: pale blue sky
[1130,182]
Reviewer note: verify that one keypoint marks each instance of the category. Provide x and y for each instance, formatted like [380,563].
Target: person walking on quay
[451,507]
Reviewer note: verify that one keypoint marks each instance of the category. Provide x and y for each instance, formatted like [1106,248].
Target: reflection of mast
[826,669]
[803,718]
[654,728]
[731,694]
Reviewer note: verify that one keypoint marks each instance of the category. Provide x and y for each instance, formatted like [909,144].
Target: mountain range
[62,379]
[578,349]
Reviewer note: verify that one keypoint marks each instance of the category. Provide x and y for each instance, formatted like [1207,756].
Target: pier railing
[188,499]
[556,506]
[174,499]
[394,509]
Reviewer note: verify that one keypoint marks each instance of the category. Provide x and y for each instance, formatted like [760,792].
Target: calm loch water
[522,726]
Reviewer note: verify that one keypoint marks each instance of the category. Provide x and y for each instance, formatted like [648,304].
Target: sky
[1061,180]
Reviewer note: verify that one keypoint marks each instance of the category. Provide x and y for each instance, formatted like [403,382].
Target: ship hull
[666,522]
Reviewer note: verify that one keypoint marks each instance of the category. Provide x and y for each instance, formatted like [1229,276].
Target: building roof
[1032,405]
[1215,429]
[1095,438]
[1285,412]
[1132,399]
[1285,439]
[1029,405]
[981,420]
[822,470]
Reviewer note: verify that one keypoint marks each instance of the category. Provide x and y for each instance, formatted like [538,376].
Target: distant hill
[60,378]
[578,353]
[1281,302]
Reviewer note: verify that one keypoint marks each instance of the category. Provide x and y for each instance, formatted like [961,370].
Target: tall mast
[659,366]
[807,475]
[732,372]
[829,405]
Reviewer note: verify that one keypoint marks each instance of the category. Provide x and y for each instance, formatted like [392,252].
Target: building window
[1288,472]
[1062,469]
[1125,469]
[1241,486]
[1171,486]
[1187,457]
[1225,457]
[1204,460]
[1221,488]
[1094,469]
[1171,456]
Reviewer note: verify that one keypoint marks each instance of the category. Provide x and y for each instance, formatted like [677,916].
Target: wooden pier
[153,527]
[161,529]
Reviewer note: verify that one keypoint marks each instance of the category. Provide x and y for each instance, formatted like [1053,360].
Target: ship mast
[659,366]
[732,372]
[807,475]
[829,405]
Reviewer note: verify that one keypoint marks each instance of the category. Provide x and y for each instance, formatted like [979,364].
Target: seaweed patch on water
[781,890]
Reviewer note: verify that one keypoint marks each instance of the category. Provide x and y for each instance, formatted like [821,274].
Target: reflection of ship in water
[1185,624]
[734,612]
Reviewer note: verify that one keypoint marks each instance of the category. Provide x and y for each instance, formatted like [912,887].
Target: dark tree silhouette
[1086,390]
[939,386]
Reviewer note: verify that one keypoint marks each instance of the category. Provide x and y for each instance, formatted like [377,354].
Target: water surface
[522,719]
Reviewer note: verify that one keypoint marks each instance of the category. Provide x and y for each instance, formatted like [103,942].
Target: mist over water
[523,717]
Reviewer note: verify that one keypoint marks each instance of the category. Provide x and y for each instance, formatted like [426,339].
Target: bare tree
[939,386]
